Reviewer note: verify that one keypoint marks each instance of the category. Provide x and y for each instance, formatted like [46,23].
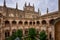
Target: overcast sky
[41,4]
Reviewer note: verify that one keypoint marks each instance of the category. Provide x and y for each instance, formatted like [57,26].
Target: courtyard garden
[32,35]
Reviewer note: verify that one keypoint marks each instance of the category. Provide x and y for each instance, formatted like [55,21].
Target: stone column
[3,34]
[47,33]
[10,28]
[53,32]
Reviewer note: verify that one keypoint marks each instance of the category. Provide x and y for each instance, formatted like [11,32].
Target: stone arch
[57,29]
[14,22]
[7,33]
[30,22]
[51,22]
[37,22]
[26,22]
[20,22]
[33,23]
[7,22]
[44,22]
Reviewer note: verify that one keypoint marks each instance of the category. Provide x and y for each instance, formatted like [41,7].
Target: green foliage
[43,35]
[32,33]
[18,33]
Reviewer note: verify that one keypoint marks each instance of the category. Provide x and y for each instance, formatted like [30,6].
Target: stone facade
[12,19]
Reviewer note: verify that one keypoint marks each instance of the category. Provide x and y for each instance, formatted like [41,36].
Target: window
[30,23]
[43,22]
[7,34]
[33,23]
[13,22]
[26,32]
[51,21]
[38,22]
[26,23]
[20,22]
[7,22]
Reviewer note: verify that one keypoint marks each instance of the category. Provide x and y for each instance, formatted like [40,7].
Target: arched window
[20,22]
[13,22]
[30,23]
[44,22]
[51,21]
[13,31]
[25,22]
[7,22]
[26,32]
[33,23]
[7,34]
[38,22]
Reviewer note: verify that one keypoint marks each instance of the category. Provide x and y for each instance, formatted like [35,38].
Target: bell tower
[59,5]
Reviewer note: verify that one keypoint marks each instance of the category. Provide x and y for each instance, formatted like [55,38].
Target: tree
[43,35]
[16,34]
[19,33]
[32,33]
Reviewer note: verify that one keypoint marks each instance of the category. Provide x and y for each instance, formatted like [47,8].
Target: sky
[52,5]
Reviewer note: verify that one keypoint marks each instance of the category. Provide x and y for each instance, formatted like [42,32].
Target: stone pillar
[10,32]
[47,33]
[10,28]
[23,34]
[54,32]
[3,35]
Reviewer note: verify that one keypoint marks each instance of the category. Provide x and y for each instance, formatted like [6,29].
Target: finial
[33,5]
[39,11]
[29,4]
[25,4]
[16,5]
[47,10]
[4,3]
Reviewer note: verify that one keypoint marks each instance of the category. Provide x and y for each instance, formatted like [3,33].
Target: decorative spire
[16,5]
[4,3]
[25,4]
[39,12]
[29,4]
[47,10]
[33,5]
